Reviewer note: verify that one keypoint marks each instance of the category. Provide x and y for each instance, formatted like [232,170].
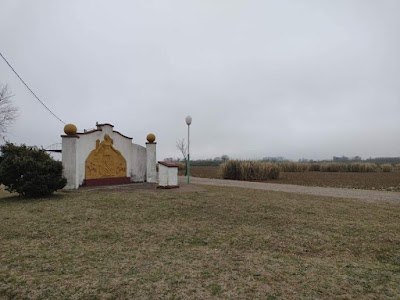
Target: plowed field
[370,181]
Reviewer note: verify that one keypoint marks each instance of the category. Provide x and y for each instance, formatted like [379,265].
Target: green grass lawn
[217,242]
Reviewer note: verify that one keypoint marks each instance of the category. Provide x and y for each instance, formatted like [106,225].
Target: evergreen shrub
[30,172]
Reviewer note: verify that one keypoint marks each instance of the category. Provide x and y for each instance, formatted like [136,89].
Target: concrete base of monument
[106,181]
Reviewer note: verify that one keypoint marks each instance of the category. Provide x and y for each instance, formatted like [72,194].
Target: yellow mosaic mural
[105,161]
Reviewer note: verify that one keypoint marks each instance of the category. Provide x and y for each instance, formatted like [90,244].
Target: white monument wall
[77,147]
[69,161]
[138,167]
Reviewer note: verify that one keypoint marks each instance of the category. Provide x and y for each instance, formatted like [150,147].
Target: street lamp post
[188,122]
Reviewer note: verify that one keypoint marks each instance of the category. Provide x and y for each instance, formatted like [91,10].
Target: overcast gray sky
[295,78]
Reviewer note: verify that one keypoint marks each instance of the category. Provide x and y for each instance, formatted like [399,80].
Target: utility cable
[41,102]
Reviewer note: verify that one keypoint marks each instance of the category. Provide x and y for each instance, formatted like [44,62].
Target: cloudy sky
[287,78]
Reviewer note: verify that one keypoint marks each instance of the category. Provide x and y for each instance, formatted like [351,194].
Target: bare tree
[182,147]
[8,112]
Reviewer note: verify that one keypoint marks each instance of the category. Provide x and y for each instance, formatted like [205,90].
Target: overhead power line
[41,102]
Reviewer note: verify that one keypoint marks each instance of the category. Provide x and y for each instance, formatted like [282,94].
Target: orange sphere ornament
[70,129]
[151,138]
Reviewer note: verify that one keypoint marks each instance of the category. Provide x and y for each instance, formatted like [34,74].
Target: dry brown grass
[221,243]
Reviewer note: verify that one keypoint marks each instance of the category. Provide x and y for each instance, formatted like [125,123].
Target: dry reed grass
[249,170]
[294,167]
[387,168]
[330,167]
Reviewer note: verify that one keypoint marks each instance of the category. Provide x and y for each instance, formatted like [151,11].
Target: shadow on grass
[15,198]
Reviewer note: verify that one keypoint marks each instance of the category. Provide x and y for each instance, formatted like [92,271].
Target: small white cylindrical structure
[151,164]
[167,175]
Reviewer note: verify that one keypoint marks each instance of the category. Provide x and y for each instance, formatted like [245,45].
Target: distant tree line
[275,159]
[375,160]
[384,160]
[216,161]
[341,159]
[198,162]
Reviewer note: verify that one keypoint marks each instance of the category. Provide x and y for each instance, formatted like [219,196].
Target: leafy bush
[249,170]
[29,172]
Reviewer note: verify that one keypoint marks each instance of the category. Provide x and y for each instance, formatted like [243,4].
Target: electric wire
[41,102]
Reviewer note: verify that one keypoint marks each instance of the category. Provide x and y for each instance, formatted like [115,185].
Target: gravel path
[317,191]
